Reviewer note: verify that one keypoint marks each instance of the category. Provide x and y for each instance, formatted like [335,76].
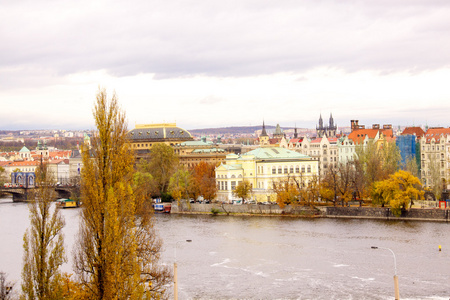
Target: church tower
[264,137]
[327,130]
[332,128]
[320,129]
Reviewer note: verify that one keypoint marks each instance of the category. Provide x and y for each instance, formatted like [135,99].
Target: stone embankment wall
[383,213]
[268,209]
[386,213]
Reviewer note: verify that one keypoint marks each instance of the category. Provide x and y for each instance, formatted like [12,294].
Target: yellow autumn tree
[397,191]
[243,190]
[287,191]
[43,242]
[118,250]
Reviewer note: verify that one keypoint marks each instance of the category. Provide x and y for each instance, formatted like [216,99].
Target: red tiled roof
[295,141]
[417,131]
[436,133]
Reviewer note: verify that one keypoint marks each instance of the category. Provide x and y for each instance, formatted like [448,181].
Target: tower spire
[263,132]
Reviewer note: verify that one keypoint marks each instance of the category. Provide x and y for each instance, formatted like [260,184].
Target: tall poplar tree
[118,252]
[43,243]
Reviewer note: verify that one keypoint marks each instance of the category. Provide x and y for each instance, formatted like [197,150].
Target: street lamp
[175,279]
[397,293]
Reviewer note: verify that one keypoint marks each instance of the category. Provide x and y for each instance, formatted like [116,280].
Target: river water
[278,258]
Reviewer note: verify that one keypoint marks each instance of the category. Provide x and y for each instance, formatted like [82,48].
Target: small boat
[162,207]
[66,203]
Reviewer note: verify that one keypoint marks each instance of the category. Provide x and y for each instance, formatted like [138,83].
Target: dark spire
[263,132]
[331,120]
[320,122]
[295,132]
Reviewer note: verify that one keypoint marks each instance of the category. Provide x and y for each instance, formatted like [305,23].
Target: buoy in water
[439,247]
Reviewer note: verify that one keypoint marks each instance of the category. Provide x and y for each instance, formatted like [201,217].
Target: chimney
[376,126]
[387,126]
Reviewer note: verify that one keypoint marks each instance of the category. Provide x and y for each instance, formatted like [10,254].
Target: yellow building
[262,167]
[191,153]
[144,136]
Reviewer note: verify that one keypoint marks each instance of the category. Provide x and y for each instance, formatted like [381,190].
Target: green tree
[436,181]
[144,182]
[162,164]
[377,163]
[179,184]
[397,191]
[43,243]
[2,176]
[243,190]
[411,166]
[118,251]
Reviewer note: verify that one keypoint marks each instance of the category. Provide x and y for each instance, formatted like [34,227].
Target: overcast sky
[221,63]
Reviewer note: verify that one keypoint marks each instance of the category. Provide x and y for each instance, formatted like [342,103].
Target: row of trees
[374,173]
[161,175]
[117,251]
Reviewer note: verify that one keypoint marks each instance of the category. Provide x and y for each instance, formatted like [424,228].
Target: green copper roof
[195,143]
[276,153]
[24,149]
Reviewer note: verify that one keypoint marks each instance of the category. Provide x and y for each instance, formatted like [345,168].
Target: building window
[309,169]
[274,170]
[233,185]
[291,169]
[303,169]
[279,170]
[285,169]
[297,169]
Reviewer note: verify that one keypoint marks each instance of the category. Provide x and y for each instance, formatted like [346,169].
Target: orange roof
[24,163]
[436,133]
[417,131]
[359,135]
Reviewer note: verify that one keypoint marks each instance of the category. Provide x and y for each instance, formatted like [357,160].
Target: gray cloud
[224,38]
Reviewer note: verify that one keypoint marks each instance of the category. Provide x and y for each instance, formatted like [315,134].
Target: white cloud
[208,63]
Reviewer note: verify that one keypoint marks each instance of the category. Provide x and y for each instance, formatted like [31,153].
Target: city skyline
[218,64]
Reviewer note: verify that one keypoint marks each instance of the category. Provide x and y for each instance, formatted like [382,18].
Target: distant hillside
[230,130]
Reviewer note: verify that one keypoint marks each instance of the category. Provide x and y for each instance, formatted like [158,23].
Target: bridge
[23,194]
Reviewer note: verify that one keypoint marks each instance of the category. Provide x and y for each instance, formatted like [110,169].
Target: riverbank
[335,212]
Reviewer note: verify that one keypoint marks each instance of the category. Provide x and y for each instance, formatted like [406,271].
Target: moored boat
[67,203]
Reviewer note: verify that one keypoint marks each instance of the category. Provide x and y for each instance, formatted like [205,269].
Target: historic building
[143,137]
[278,137]
[361,136]
[435,157]
[192,153]
[329,130]
[262,167]
[324,150]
